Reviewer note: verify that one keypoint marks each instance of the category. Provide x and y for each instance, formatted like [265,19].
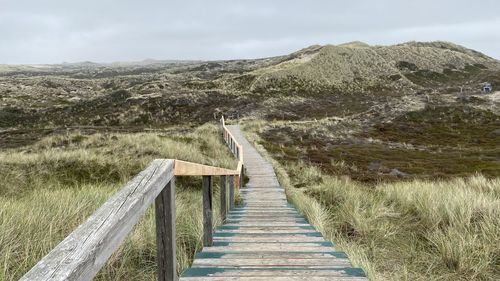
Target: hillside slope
[352,79]
[359,67]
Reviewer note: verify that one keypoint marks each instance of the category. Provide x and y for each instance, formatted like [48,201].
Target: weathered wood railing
[85,251]
[236,148]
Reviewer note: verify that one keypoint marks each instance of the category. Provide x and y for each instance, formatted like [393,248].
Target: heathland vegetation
[391,151]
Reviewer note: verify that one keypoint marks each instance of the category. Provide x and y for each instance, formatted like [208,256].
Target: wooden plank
[264,230]
[183,168]
[272,272]
[249,234]
[231,192]
[223,198]
[207,211]
[283,238]
[274,262]
[262,190]
[263,201]
[81,254]
[237,181]
[270,255]
[242,175]
[235,147]
[264,215]
[277,277]
[255,202]
[225,226]
[292,219]
[243,224]
[240,167]
[275,273]
[265,197]
[264,210]
[165,233]
[268,247]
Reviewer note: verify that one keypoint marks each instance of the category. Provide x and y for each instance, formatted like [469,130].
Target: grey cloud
[52,31]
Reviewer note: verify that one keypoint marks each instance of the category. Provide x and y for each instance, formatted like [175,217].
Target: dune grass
[49,188]
[411,230]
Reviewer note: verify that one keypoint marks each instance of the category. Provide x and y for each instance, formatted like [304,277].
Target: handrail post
[242,175]
[165,233]
[223,199]
[237,181]
[207,211]
[231,192]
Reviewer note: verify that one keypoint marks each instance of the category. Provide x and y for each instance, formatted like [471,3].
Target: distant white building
[487,87]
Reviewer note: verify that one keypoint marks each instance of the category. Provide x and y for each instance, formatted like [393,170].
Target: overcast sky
[54,31]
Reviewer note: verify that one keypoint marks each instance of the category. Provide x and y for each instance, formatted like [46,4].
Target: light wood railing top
[184,168]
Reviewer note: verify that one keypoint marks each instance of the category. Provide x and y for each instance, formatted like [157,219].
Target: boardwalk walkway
[266,238]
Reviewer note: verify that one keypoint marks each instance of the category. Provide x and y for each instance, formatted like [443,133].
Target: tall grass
[51,187]
[413,230]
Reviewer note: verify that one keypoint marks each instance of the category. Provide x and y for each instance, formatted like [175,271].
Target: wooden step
[272,262]
[278,222]
[268,255]
[274,239]
[255,234]
[274,273]
[255,231]
[269,247]
[264,216]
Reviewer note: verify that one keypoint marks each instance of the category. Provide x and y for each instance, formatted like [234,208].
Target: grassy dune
[49,188]
[412,230]
[358,68]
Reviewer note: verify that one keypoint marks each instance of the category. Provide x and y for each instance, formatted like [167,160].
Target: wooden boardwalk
[266,238]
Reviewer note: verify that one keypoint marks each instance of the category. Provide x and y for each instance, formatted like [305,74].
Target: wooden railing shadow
[86,250]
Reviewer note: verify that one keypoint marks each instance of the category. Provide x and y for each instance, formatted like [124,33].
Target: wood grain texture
[207,211]
[183,168]
[165,233]
[80,255]
[223,198]
[231,192]
[242,176]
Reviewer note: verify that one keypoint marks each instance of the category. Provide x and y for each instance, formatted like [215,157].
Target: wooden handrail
[237,150]
[183,168]
[82,253]
[85,251]
[229,138]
